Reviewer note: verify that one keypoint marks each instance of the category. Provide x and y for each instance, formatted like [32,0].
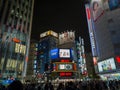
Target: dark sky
[59,16]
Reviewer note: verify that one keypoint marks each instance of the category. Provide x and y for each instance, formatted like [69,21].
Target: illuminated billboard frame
[60,53]
[65,53]
[107,65]
[65,67]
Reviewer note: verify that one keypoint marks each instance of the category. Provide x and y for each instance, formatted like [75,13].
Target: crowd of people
[69,85]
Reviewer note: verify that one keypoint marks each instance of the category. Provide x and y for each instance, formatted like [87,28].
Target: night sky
[59,16]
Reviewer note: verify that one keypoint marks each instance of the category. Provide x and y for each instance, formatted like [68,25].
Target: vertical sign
[91,32]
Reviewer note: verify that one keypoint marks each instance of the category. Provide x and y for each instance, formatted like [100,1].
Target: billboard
[60,53]
[64,53]
[54,53]
[50,32]
[65,66]
[97,9]
[66,74]
[65,37]
[106,65]
[91,32]
[19,48]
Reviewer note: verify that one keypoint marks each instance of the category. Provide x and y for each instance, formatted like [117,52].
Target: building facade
[48,41]
[15,31]
[103,23]
[32,62]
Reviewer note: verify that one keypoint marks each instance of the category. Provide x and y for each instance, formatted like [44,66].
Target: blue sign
[7,82]
[54,53]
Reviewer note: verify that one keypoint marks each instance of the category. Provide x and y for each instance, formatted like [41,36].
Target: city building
[48,41]
[32,68]
[103,23]
[64,58]
[15,31]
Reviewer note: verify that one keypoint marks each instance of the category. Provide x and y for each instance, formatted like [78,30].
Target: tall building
[48,41]
[32,61]
[64,58]
[15,31]
[103,23]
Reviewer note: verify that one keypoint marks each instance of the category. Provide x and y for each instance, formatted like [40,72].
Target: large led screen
[106,65]
[54,54]
[64,53]
[65,67]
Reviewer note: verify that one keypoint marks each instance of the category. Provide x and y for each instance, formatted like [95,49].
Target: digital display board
[61,53]
[106,65]
[64,53]
[65,67]
[54,53]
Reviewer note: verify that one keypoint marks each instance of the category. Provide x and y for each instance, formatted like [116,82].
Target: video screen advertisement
[60,53]
[65,67]
[107,65]
[67,36]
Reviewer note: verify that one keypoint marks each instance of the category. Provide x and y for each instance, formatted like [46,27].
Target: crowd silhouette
[68,85]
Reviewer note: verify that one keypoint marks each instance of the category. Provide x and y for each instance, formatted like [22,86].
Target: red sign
[65,60]
[65,74]
[16,40]
[88,13]
[118,59]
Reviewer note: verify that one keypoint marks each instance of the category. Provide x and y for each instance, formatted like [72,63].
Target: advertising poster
[64,53]
[97,9]
[106,65]
[65,37]
[91,30]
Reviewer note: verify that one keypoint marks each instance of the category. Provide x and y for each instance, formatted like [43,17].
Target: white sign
[64,53]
